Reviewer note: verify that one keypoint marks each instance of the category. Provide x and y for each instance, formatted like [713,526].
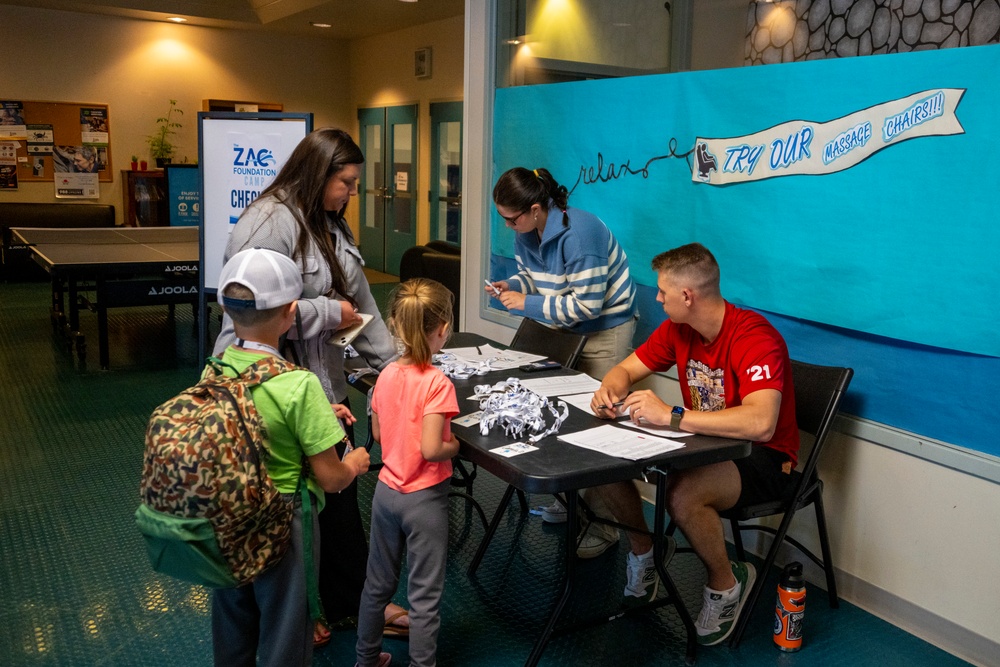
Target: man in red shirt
[735,377]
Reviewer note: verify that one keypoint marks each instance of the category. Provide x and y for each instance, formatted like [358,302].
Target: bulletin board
[52,125]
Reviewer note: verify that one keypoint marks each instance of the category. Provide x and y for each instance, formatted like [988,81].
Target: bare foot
[397,616]
[321,634]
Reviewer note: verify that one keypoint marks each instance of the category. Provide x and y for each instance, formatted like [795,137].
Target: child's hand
[343,413]
[359,460]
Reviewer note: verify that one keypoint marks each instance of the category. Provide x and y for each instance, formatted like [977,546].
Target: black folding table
[559,467]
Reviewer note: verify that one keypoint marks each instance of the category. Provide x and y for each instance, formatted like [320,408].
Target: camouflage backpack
[210,513]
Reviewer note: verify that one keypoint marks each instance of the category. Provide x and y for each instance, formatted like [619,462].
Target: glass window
[549,41]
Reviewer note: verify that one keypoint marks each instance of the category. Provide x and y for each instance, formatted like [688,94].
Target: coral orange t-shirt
[403,395]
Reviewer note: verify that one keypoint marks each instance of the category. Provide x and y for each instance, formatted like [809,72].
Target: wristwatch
[675,417]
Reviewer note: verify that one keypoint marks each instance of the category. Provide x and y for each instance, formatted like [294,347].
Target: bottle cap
[792,576]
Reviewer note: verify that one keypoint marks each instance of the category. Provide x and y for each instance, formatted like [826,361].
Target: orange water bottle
[790,608]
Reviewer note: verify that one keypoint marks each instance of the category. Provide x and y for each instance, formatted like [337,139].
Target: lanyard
[260,347]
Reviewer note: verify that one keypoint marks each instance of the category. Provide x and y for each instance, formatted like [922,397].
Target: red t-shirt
[748,355]
[403,395]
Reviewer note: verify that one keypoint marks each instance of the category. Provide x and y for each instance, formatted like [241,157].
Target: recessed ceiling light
[177,19]
[320,25]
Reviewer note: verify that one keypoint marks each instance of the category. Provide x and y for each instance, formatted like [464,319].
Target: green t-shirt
[297,417]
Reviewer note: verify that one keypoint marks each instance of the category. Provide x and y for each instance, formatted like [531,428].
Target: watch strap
[675,417]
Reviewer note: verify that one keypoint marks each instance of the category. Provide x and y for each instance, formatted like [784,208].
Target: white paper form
[659,431]
[621,442]
[581,401]
[560,385]
[499,359]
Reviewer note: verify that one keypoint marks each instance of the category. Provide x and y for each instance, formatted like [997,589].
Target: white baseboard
[932,628]
[940,632]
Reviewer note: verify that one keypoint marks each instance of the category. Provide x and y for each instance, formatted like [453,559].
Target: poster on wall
[8,165]
[94,126]
[240,154]
[40,139]
[12,120]
[76,172]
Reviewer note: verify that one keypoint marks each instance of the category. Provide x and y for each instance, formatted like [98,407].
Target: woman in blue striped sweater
[572,273]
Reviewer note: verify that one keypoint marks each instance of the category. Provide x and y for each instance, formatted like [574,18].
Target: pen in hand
[492,286]
[616,404]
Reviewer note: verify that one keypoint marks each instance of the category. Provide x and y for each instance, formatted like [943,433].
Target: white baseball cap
[274,279]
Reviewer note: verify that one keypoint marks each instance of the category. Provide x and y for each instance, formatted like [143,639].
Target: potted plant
[135,162]
[160,146]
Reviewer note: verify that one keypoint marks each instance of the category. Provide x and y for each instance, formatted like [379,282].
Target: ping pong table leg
[102,326]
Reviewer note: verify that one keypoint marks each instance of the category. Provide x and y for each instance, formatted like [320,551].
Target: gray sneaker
[598,539]
[642,580]
[554,513]
[719,612]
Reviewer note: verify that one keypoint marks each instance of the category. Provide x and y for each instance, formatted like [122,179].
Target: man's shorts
[761,476]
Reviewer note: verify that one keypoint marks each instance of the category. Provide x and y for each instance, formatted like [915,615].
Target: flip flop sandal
[393,629]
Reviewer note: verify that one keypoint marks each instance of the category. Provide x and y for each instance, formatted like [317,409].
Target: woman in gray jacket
[300,214]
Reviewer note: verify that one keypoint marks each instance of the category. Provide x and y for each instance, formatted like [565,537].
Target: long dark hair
[300,185]
[519,189]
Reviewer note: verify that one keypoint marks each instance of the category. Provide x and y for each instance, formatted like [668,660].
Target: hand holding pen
[492,287]
[605,403]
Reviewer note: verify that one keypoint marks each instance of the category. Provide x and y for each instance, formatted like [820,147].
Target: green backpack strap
[312,585]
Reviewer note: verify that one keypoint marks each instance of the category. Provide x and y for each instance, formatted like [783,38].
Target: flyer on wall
[40,140]
[94,126]
[8,165]
[12,120]
[76,172]
[76,186]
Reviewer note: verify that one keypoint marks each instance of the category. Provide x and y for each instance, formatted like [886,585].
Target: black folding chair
[556,344]
[818,392]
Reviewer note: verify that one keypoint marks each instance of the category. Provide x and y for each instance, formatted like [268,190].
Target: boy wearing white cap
[267,621]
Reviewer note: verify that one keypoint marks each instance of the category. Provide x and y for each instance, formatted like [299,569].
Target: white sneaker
[642,580]
[597,540]
[719,611]
[554,513]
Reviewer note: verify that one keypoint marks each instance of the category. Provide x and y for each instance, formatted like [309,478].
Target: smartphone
[535,366]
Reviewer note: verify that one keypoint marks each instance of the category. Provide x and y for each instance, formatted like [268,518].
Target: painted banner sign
[806,147]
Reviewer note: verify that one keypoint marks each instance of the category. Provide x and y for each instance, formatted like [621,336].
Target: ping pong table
[124,266]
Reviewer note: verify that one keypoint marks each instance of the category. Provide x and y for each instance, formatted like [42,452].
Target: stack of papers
[562,385]
[620,442]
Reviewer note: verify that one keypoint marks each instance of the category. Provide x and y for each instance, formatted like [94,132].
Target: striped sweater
[576,277]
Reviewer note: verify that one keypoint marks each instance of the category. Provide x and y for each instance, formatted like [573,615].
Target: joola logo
[172,289]
[248,157]
[173,268]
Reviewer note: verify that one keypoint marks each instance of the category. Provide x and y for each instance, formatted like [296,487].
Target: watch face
[678,410]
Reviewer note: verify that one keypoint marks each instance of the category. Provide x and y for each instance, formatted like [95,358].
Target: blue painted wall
[888,267]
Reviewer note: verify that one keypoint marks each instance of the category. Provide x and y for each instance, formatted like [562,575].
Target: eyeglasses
[512,220]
